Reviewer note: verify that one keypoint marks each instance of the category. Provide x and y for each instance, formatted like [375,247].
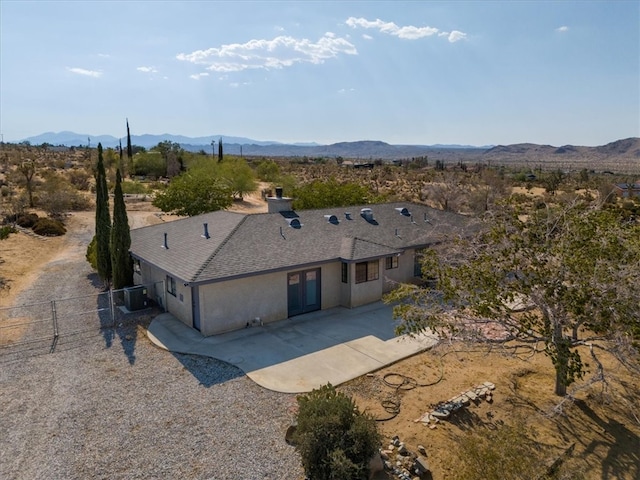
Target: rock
[421,465]
[402,449]
[387,465]
[443,413]
[489,385]
[128,337]
[391,448]
[422,450]
[396,441]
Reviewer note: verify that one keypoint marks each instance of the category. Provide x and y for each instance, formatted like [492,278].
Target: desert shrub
[5,231]
[133,188]
[27,220]
[49,228]
[92,254]
[333,438]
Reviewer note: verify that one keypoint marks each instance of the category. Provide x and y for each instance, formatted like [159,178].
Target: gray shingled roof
[241,245]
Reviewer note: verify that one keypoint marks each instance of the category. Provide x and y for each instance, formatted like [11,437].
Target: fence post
[112,308]
[54,318]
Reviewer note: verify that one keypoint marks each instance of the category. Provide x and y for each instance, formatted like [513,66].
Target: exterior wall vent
[332,219]
[205,234]
[403,211]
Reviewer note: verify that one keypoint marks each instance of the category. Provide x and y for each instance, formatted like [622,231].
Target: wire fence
[42,327]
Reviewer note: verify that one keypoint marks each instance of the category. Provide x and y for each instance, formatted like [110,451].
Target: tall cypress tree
[121,165]
[129,150]
[103,221]
[120,240]
[220,150]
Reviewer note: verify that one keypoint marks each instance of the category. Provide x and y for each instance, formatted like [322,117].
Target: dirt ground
[604,422]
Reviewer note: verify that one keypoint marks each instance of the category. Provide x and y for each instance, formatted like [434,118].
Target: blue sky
[474,73]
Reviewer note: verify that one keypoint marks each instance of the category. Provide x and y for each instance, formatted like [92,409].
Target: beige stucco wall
[331,293]
[403,273]
[180,307]
[366,292]
[227,306]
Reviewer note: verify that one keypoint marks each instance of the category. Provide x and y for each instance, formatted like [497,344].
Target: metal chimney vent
[205,234]
[367,214]
[347,215]
[165,244]
[332,219]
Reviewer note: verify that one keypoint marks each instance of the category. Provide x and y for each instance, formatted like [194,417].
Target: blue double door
[303,291]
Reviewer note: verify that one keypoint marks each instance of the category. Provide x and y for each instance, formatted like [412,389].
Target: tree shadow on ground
[622,445]
[208,371]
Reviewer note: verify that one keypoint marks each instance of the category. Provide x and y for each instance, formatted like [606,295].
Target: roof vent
[332,219]
[367,214]
[403,211]
[205,234]
[165,244]
[278,192]
[426,219]
[347,215]
[294,222]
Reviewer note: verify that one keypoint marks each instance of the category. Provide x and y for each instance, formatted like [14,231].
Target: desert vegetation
[560,238]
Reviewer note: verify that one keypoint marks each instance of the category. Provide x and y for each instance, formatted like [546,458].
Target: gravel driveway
[94,410]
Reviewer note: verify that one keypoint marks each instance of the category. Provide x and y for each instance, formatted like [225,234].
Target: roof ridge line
[218,248]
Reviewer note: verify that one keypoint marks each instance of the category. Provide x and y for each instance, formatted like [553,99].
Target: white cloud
[147,69]
[279,52]
[408,32]
[562,29]
[104,55]
[456,36]
[367,37]
[346,90]
[238,84]
[87,73]
[198,76]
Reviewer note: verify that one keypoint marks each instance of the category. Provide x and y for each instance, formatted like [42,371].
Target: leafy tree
[121,262]
[330,193]
[573,269]
[172,153]
[28,170]
[268,171]
[193,193]
[334,439]
[150,164]
[239,176]
[103,221]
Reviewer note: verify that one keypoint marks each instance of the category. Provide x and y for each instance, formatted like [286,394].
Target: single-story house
[627,190]
[225,270]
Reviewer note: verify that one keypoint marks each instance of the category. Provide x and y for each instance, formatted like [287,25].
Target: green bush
[334,439]
[27,220]
[5,231]
[92,254]
[49,228]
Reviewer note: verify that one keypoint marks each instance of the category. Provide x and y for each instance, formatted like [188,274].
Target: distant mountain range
[621,155]
[233,145]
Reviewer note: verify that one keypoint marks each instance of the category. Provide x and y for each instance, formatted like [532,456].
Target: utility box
[135,298]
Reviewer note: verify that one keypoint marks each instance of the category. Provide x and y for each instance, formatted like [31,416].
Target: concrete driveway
[304,352]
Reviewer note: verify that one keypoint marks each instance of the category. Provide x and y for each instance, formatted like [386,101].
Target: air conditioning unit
[135,298]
